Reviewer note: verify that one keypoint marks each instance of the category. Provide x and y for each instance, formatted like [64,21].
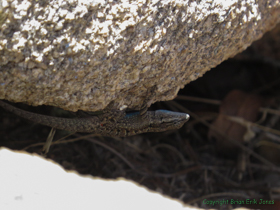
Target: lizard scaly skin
[107,124]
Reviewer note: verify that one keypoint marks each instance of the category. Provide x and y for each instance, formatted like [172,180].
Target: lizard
[115,123]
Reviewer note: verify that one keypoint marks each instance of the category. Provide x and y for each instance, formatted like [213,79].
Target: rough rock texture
[87,55]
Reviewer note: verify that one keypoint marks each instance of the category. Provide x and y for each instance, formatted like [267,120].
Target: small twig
[247,123]
[174,150]
[197,99]
[60,141]
[264,167]
[218,102]
[222,176]
[111,150]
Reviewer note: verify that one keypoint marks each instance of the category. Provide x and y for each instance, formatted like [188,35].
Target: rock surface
[90,54]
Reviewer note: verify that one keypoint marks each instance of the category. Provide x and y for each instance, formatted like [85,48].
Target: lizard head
[162,120]
[152,121]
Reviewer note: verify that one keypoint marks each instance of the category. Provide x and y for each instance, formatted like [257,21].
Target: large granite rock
[90,54]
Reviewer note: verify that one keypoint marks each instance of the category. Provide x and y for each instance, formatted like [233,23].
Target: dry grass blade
[49,140]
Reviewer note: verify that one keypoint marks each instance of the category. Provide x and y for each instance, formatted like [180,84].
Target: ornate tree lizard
[114,123]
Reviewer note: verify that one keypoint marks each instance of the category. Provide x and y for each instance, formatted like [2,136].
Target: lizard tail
[55,122]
